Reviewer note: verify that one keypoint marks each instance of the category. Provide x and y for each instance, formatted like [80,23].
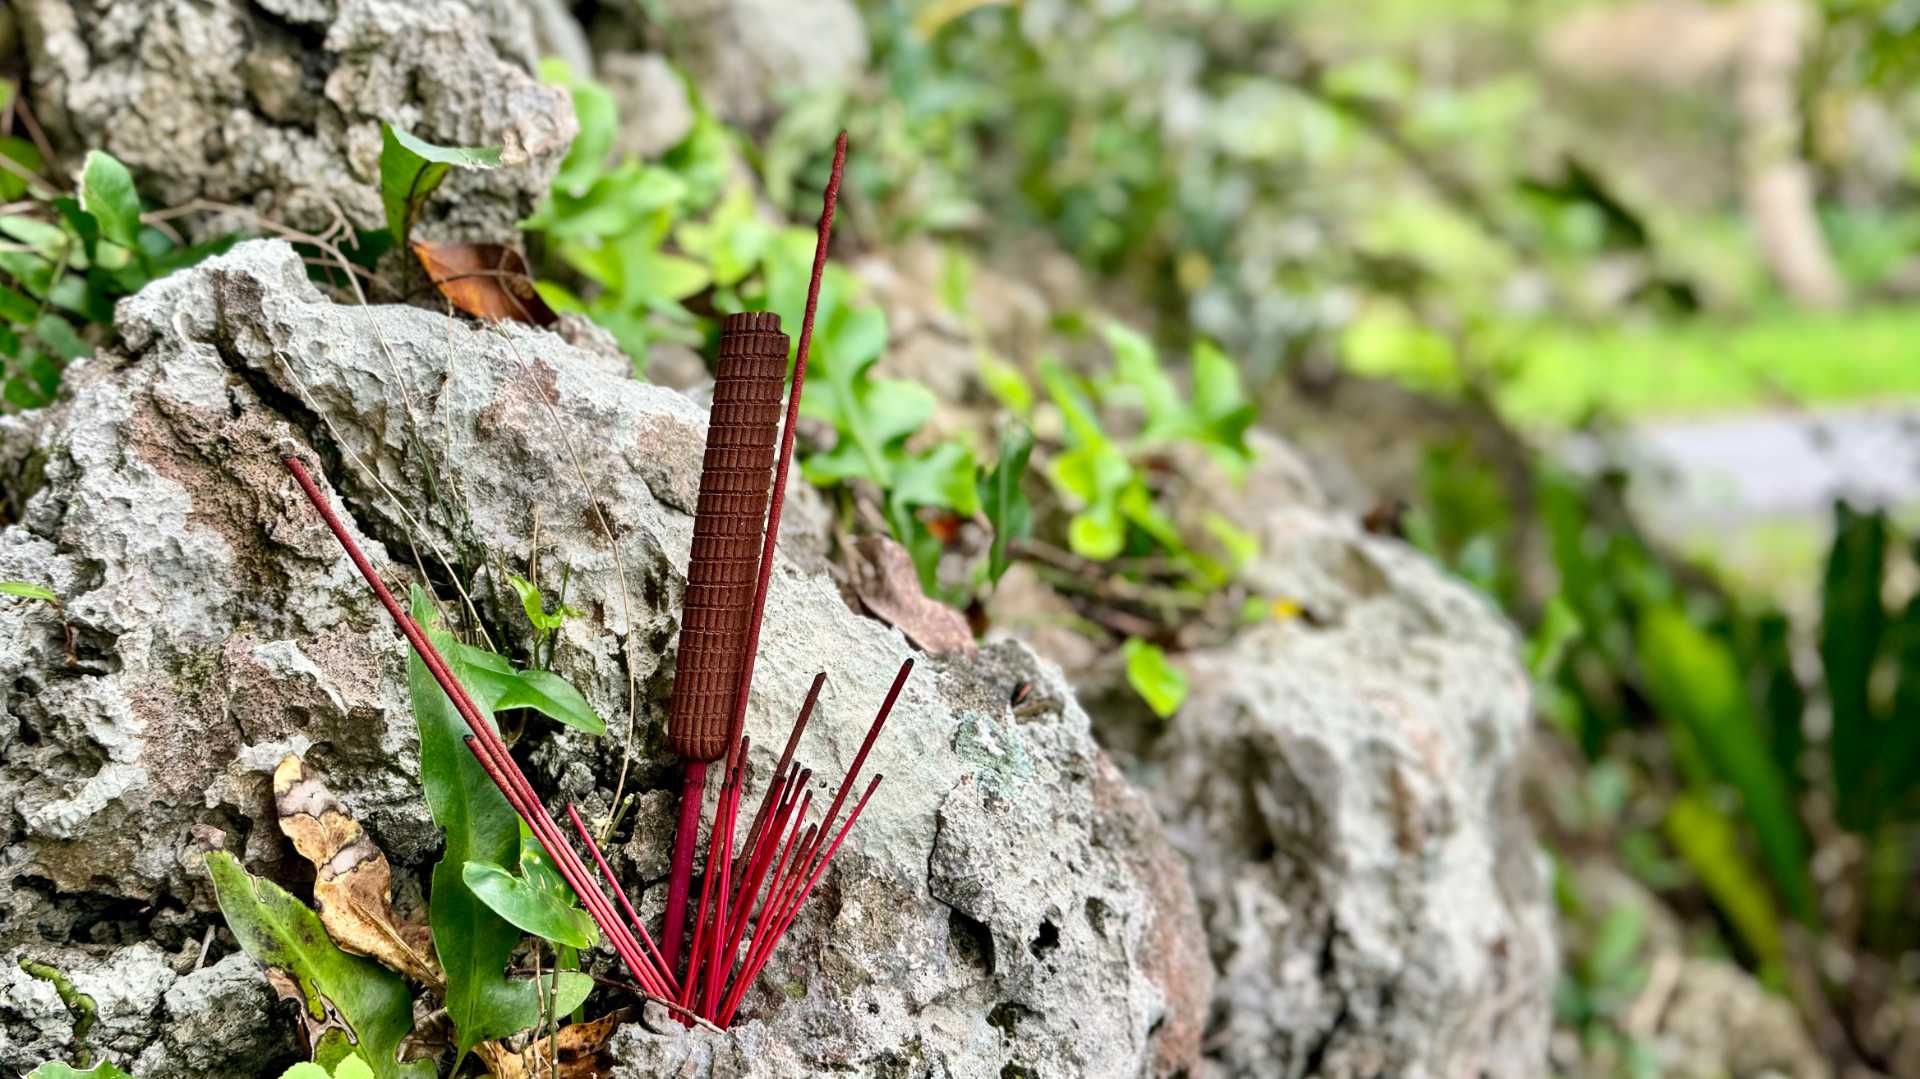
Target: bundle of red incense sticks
[784,856]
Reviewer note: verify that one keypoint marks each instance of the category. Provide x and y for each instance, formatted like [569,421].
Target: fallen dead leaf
[575,1052]
[889,588]
[485,280]
[352,881]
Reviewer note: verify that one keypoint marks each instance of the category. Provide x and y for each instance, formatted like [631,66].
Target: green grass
[1705,367]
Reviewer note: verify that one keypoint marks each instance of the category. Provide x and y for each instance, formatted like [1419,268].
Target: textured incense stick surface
[721,572]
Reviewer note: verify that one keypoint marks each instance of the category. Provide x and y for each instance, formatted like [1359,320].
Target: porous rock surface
[276,105]
[1008,904]
[1343,783]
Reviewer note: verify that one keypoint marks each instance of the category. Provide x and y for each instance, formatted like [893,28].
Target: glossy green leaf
[496,686]
[473,942]
[534,604]
[1162,685]
[1004,499]
[279,931]
[537,899]
[106,192]
[410,169]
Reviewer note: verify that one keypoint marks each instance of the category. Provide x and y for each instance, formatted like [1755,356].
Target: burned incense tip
[727,534]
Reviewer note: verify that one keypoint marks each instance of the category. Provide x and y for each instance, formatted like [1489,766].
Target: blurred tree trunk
[1777,186]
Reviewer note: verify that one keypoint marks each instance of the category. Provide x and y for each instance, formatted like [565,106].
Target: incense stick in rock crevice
[693,783]
[784,856]
[742,425]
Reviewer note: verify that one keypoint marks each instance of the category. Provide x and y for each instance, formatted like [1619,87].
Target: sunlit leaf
[1162,685]
[410,169]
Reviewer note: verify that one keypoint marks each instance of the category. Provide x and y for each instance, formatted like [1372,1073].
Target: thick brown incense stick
[741,428]
[829,201]
[693,782]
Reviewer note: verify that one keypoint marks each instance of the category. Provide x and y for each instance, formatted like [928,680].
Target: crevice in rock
[970,940]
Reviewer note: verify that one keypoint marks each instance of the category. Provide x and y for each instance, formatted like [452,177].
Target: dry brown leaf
[577,1051]
[485,280]
[889,588]
[352,882]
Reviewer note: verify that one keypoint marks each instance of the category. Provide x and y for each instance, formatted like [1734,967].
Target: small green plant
[492,884]
[410,170]
[1107,480]
[65,259]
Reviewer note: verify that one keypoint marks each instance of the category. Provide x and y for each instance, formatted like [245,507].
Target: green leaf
[732,240]
[410,168]
[1694,680]
[106,192]
[1006,503]
[1098,533]
[351,1067]
[49,240]
[497,686]
[473,942]
[28,590]
[57,1070]
[534,604]
[944,476]
[1162,685]
[1221,409]
[16,308]
[1711,845]
[60,337]
[1559,628]
[1852,624]
[552,696]
[279,931]
[24,154]
[536,899]
[1137,365]
[652,278]
[1007,384]
[599,119]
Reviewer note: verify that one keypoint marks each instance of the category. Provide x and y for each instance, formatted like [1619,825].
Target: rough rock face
[1007,905]
[1343,786]
[276,106]
[745,54]
[159,1024]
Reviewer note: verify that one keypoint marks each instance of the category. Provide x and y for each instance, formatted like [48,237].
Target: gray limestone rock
[1007,905]
[276,107]
[1343,785]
